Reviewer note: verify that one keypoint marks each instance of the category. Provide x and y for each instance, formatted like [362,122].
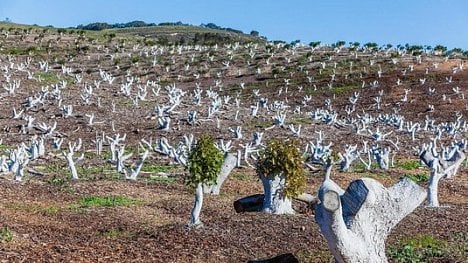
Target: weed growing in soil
[6,234]
[106,201]
[418,249]
[418,178]
[408,165]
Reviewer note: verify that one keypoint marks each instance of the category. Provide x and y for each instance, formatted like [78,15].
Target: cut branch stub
[331,201]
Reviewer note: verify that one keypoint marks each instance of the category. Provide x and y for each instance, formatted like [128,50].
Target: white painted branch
[230,162]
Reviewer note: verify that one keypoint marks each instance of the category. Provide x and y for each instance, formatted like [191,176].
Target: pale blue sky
[428,22]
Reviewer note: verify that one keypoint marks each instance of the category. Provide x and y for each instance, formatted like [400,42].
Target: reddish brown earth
[44,215]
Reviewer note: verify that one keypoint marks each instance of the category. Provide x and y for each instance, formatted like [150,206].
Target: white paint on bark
[275,202]
[195,215]
[357,222]
[230,161]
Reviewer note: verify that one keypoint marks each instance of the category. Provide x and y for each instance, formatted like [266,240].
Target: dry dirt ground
[49,225]
[49,218]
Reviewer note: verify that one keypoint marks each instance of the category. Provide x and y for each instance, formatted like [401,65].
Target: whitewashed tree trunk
[195,216]
[275,202]
[230,162]
[71,165]
[440,168]
[357,223]
[433,189]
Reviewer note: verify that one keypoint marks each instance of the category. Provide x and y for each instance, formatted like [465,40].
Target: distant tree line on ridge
[97,26]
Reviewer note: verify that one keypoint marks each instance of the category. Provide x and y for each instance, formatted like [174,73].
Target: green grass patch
[47,77]
[241,176]
[418,249]
[408,165]
[343,89]
[21,51]
[360,167]
[418,178]
[98,172]
[58,181]
[106,201]
[6,234]
[4,147]
[54,168]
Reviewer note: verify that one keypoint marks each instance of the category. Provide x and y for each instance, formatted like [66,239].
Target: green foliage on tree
[254,33]
[371,45]
[204,162]
[339,44]
[314,44]
[283,157]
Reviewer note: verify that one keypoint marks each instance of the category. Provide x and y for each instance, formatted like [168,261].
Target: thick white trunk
[71,166]
[433,189]
[275,202]
[357,222]
[230,162]
[195,216]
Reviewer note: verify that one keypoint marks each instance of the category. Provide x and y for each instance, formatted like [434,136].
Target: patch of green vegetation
[58,181]
[54,168]
[4,147]
[343,89]
[283,156]
[98,171]
[6,234]
[418,178]
[106,201]
[116,233]
[47,77]
[418,249]
[19,51]
[408,165]
[241,176]
[204,162]
[360,167]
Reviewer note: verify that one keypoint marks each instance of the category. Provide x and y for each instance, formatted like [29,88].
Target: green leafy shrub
[283,156]
[204,162]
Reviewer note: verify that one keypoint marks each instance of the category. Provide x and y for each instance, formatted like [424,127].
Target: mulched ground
[47,227]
